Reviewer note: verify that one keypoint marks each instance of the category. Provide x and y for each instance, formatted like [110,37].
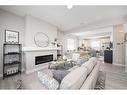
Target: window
[70,44]
[95,44]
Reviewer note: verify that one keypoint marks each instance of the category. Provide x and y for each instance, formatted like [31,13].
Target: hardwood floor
[116,78]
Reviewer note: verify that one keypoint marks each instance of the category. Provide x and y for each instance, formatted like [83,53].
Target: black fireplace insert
[43,59]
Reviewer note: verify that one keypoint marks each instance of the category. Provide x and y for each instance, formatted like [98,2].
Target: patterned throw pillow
[48,81]
[59,74]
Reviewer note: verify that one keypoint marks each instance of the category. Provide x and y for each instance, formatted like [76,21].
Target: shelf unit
[12,56]
[60,51]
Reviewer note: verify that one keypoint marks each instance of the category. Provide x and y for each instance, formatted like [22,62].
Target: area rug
[100,84]
[19,84]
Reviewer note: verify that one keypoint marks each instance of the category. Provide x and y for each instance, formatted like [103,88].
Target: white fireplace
[31,53]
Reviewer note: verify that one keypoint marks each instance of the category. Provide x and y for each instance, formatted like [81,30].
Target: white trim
[36,69]
[31,49]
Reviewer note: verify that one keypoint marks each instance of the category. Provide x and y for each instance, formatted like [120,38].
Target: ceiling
[67,19]
[97,33]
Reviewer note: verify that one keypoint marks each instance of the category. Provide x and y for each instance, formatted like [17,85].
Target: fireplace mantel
[32,49]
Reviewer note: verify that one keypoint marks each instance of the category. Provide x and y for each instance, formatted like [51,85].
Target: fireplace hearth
[43,59]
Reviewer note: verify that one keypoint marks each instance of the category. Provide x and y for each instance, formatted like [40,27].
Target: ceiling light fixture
[69,6]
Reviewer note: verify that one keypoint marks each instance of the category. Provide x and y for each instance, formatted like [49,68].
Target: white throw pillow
[74,79]
[48,81]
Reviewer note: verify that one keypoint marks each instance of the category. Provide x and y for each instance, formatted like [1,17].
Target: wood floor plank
[116,78]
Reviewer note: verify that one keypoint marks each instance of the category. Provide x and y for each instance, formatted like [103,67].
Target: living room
[62,39]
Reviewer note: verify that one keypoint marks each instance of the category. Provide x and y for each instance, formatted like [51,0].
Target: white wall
[118,45]
[11,22]
[60,36]
[34,25]
[76,41]
[125,29]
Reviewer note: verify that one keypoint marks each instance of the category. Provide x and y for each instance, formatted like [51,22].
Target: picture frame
[11,37]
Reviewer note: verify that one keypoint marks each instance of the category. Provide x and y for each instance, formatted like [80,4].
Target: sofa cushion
[48,81]
[91,80]
[89,65]
[74,79]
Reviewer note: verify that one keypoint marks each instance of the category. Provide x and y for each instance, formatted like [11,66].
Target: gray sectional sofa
[79,77]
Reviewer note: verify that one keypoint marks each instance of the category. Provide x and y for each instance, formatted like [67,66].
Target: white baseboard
[36,69]
[118,64]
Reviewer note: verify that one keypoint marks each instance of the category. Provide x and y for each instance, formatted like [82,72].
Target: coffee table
[60,64]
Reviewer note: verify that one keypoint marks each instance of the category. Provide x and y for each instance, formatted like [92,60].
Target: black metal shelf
[11,44]
[12,63]
[10,55]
